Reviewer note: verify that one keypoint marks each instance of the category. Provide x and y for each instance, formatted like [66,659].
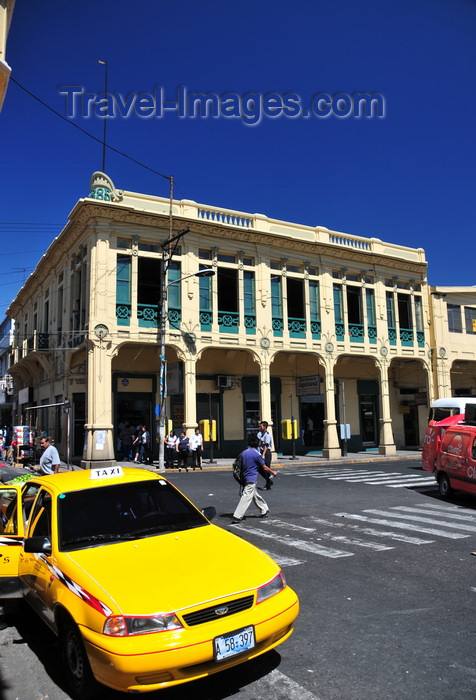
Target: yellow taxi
[141,589]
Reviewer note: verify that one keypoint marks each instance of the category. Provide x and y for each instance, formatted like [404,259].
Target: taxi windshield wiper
[160,529]
[155,529]
[103,537]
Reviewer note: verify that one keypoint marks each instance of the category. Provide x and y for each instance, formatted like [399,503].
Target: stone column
[331,448]
[265,392]
[386,441]
[99,431]
[190,395]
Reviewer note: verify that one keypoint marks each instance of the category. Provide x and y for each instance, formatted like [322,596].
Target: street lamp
[206,272]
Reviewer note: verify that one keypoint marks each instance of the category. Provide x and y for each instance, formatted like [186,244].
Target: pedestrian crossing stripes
[344,534]
[394,480]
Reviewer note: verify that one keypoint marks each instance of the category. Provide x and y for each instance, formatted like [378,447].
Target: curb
[289,462]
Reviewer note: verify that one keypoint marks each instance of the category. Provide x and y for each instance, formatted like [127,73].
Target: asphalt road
[385,574]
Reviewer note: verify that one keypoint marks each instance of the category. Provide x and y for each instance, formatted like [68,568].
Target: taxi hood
[170,572]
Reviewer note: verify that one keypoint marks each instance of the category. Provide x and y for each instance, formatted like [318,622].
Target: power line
[26,223]
[91,136]
[15,271]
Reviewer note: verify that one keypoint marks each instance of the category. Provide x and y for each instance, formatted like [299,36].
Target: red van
[456,460]
[432,441]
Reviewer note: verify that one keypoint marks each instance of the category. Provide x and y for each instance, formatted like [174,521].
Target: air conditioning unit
[224,382]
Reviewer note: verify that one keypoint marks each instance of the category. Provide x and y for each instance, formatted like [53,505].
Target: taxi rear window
[118,512]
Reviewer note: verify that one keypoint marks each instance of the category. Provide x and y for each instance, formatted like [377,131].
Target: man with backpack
[251,462]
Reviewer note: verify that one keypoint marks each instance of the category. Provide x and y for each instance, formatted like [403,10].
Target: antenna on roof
[104,63]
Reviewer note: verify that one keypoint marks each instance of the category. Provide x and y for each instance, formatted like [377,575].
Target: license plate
[234,643]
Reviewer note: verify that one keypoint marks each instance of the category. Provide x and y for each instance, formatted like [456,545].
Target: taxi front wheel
[76,664]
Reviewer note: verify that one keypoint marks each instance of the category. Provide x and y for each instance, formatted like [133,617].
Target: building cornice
[144,212]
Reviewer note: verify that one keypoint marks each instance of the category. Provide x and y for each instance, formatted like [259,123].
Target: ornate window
[123,290]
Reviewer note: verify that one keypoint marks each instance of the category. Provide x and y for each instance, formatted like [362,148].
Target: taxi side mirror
[37,545]
[209,512]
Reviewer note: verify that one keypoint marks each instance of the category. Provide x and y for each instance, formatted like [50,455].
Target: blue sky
[407,178]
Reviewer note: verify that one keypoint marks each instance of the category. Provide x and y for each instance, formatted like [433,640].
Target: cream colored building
[454,340]
[298,322]
[6,13]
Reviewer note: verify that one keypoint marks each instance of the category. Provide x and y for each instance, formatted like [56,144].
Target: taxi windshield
[126,511]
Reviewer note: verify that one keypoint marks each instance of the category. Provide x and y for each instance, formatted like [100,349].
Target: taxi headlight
[124,625]
[276,585]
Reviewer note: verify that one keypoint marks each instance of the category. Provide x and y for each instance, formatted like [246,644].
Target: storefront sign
[25,395]
[179,414]
[308,386]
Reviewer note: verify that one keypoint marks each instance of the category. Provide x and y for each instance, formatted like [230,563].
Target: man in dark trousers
[252,461]
[265,448]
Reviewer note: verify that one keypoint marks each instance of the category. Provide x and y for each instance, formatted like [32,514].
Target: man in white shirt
[196,446]
[265,449]
[49,460]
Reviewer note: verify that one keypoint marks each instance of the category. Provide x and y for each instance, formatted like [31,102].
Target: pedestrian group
[183,451]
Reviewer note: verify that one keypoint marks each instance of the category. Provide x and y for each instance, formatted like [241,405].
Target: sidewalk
[221,464]
[9,471]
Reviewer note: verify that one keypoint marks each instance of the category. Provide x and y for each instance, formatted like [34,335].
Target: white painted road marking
[408,539]
[446,521]
[393,480]
[298,544]
[281,686]
[419,519]
[438,511]
[403,526]
[282,560]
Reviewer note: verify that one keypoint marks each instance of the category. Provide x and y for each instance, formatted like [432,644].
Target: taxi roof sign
[106,472]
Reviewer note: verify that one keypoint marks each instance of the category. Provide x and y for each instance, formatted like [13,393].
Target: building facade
[298,322]
[6,14]
[6,380]
[454,340]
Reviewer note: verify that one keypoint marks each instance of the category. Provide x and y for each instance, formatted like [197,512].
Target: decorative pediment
[102,188]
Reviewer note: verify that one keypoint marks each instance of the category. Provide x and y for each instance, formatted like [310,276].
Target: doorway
[368,420]
[135,409]
[312,421]
[411,429]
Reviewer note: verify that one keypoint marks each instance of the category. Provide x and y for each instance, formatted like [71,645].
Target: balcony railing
[74,339]
[406,337]
[147,315]
[228,321]
[43,341]
[392,335]
[175,317]
[224,217]
[206,319]
[278,326]
[250,324]
[123,314]
[316,330]
[356,332]
[296,327]
[340,331]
